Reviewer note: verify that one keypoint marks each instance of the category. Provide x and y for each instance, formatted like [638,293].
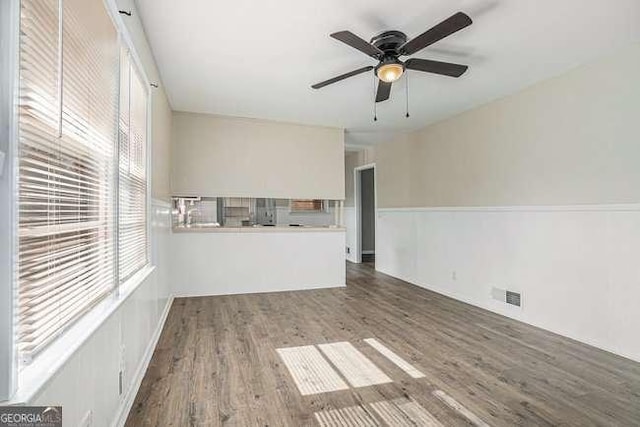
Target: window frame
[19,383]
[125,41]
[9,82]
[85,136]
[136,66]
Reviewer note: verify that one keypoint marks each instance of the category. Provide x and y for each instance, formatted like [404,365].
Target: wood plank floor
[216,363]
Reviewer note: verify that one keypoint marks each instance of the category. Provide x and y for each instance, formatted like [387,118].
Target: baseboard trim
[127,403]
[516,315]
[250,292]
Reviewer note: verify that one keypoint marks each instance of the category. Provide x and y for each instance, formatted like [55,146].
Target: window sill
[34,377]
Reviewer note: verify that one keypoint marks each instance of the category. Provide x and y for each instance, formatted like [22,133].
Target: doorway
[365,201]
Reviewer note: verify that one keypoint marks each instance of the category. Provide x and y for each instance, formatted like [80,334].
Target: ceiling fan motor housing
[389,42]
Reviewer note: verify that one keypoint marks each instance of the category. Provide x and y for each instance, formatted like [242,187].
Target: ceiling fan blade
[342,77]
[454,23]
[356,42]
[436,67]
[384,90]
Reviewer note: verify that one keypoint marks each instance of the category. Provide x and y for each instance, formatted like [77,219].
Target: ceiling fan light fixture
[390,72]
[389,46]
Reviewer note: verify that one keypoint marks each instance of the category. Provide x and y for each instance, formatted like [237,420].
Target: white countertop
[257,229]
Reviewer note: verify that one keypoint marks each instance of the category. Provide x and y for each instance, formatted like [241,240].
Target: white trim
[270,291]
[368,252]
[9,83]
[35,376]
[261,229]
[357,180]
[617,207]
[130,396]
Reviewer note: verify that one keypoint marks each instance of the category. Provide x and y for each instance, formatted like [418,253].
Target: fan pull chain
[406,85]
[375,107]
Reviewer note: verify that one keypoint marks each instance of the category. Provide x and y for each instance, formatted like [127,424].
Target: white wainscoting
[86,385]
[577,267]
[222,263]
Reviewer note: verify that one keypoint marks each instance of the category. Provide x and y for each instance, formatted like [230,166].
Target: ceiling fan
[389,46]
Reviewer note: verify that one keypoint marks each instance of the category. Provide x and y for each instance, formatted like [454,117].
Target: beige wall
[571,140]
[228,156]
[574,139]
[161,146]
[352,160]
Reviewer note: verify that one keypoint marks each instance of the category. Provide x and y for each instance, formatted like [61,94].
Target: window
[68,167]
[132,211]
[307,205]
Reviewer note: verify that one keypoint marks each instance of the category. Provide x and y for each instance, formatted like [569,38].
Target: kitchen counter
[210,260]
[256,229]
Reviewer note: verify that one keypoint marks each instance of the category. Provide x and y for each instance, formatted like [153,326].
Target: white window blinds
[132,208]
[68,104]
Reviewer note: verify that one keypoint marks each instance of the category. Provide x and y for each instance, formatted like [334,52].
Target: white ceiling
[258,59]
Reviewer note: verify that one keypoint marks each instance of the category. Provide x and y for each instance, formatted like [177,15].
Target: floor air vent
[513,298]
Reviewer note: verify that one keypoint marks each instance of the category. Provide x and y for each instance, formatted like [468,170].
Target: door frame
[357,180]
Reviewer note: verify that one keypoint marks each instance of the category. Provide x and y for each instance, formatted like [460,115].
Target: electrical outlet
[348,250]
[454,275]
[499,294]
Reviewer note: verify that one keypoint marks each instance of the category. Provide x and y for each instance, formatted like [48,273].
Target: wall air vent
[513,298]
